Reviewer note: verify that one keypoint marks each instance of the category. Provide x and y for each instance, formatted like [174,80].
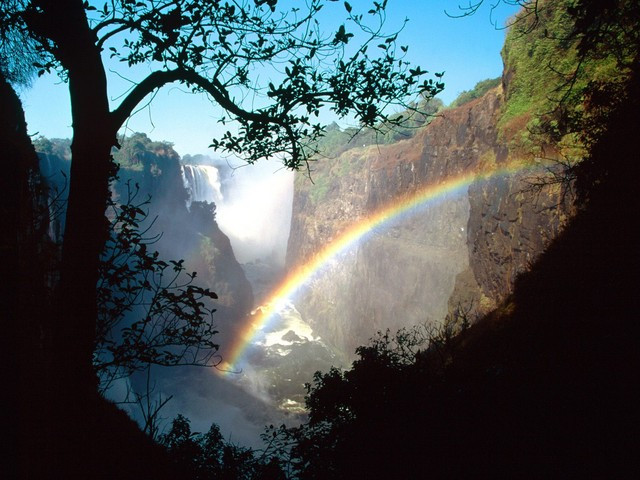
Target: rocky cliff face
[152,170]
[511,222]
[463,249]
[190,233]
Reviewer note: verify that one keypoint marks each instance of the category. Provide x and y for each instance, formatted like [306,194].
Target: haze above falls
[253,204]
[419,253]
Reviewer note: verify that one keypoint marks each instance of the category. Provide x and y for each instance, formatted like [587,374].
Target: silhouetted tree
[183,447]
[208,456]
[211,47]
[24,256]
[17,50]
[364,422]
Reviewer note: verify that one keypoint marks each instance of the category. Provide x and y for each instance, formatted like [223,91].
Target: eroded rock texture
[461,248]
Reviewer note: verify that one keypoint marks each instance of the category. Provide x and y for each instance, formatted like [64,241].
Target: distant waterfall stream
[202,182]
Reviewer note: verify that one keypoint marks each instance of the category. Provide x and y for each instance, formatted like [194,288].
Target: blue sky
[466,49]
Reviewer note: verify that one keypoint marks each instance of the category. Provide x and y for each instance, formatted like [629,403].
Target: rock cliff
[186,233]
[463,249]
[151,170]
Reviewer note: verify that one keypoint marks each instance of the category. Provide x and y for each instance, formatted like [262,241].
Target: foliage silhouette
[353,413]
[208,456]
[17,50]
[172,323]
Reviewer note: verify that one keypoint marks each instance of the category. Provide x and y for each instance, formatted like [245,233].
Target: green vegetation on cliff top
[547,79]
[134,148]
[482,87]
[546,76]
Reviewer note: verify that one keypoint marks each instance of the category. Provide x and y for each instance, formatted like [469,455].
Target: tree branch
[213,87]
[155,80]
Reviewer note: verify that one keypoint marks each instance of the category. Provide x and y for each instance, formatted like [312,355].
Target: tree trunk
[65,22]
[72,380]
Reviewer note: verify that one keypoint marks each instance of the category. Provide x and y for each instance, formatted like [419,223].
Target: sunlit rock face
[464,248]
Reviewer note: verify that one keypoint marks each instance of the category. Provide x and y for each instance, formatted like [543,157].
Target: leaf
[342,36]
[347,6]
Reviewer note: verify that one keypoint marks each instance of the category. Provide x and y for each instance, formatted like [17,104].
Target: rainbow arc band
[297,279]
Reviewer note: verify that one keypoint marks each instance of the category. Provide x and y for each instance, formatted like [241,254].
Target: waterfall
[54,171]
[202,182]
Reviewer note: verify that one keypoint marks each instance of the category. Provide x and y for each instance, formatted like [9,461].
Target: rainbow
[301,276]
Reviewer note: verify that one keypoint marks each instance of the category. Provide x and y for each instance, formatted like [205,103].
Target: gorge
[474,222]
[452,296]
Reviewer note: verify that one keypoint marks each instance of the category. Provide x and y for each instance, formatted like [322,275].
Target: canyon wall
[178,225]
[188,229]
[459,250]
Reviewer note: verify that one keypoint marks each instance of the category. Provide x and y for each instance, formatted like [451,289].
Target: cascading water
[203,183]
[256,214]
[55,172]
[254,211]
